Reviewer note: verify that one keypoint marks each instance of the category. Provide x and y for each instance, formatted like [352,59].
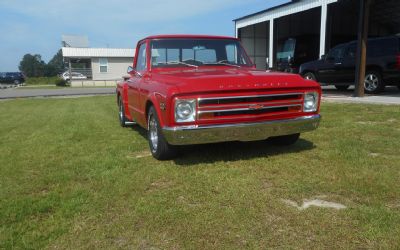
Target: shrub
[61,82]
[54,80]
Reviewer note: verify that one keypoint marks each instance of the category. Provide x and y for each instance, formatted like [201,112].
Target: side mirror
[131,71]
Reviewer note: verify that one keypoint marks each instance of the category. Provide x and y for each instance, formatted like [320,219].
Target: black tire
[284,140]
[373,83]
[159,147]
[121,113]
[309,76]
[342,87]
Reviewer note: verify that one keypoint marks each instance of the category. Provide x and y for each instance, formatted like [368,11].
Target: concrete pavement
[391,96]
[25,93]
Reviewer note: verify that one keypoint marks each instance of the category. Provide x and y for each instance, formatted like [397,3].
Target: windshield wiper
[224,62]
[183,63]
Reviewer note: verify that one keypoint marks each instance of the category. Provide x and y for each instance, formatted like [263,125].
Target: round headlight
[184,110]
[310,102]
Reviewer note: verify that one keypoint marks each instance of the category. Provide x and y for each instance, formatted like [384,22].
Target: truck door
[135,81]
[329,70]
[348,67]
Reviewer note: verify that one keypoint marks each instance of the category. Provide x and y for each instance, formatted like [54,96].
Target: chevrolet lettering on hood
[246,85]
[193,89]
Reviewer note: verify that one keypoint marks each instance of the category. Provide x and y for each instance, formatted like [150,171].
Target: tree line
[34,66]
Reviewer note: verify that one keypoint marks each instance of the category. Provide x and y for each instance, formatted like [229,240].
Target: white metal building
[327,22]
[99,64]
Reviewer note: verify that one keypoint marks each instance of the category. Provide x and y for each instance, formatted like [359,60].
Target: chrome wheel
[159,147]
[153,130]
[309,76]
[371,82]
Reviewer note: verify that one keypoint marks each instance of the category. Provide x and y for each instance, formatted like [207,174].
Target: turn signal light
[294,108]
[206,116]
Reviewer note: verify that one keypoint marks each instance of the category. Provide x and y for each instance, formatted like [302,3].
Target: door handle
[338,63]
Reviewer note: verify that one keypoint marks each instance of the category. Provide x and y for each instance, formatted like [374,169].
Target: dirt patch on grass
[183,200]
[394,205]
[159,185]
[367,123]
[314,202]
[374,154]
[138,155]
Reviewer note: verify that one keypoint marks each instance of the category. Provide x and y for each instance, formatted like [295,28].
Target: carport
[326,23]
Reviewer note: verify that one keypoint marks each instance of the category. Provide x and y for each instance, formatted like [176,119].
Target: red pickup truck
[191,89]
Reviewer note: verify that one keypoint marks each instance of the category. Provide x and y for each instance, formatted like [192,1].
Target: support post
[322,42]
[271,44]
[361,58]
[70,70]
[236,31]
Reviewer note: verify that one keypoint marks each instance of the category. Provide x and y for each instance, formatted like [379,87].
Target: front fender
[159,102]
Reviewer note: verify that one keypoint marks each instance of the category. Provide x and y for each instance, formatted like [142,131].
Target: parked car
[12,77]
[338,66]
[204,89]
[296,51]
[75,76]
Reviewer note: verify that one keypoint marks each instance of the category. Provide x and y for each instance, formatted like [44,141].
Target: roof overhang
[97,52]
[279,11]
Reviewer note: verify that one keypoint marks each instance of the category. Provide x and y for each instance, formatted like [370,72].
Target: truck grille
[215,108]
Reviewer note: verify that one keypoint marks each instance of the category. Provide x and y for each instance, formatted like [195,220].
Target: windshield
[197,52]
[287,50]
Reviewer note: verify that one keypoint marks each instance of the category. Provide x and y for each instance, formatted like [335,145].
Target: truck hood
[229,79]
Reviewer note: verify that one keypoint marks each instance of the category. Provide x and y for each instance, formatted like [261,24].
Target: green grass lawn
[71,177]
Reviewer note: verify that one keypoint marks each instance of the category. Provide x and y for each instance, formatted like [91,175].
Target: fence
[86,72]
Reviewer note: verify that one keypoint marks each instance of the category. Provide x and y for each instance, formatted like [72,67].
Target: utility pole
[361,59]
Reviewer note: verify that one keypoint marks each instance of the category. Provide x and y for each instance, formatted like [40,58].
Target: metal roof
[265,10]
[97,52]
[189,36]
[295,6]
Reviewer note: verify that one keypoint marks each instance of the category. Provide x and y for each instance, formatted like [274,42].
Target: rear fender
[124,96]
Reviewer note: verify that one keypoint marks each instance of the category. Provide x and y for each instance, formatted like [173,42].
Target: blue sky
[36,26]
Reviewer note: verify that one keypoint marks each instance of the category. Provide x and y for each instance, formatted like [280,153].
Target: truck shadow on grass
[231,151]
[235,151]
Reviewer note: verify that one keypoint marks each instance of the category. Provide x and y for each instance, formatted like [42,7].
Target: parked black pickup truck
[12,77]
[338,66]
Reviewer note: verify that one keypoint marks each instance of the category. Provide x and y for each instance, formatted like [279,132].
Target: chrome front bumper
[185,135]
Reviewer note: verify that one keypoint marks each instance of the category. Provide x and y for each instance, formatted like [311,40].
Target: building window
[103,65]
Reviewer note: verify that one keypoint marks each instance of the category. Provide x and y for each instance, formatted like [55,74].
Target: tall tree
[32,65]
[55,65]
